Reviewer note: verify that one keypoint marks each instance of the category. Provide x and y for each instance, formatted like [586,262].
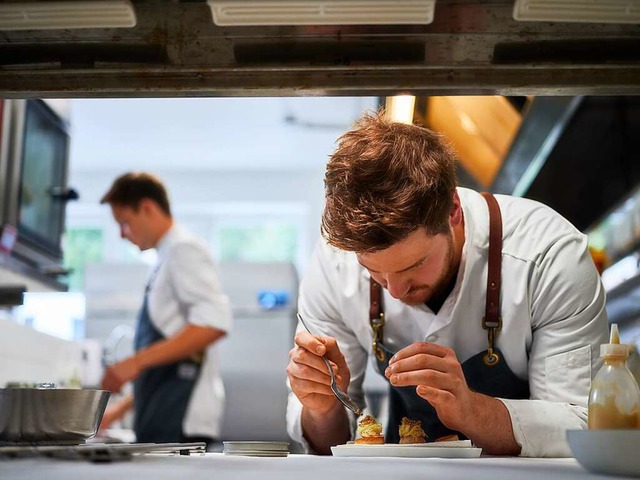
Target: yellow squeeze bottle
[614,400]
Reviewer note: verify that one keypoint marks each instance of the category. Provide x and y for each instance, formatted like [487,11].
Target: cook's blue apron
[486,372]
[160,394]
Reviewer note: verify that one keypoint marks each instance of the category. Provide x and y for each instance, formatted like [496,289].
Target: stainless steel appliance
[34,161]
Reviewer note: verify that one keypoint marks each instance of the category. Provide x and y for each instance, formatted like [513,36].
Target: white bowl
[613,452]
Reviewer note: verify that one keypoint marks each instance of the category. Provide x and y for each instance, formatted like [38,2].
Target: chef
[178,392]
[484,313]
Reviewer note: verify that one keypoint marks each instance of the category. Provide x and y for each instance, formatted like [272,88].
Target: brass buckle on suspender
[491,358]
[377,324]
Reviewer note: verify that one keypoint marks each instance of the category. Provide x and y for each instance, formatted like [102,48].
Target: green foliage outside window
[271,242]
[81,246]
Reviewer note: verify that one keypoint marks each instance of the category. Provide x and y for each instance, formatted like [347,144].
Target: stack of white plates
[256,449]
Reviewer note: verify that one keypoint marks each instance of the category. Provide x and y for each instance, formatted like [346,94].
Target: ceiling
[472,47]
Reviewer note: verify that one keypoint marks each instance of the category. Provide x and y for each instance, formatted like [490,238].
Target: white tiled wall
[30,356]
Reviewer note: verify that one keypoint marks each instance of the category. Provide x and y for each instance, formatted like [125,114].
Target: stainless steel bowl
[32,415]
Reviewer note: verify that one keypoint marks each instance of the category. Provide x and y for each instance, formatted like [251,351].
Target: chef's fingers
[303,387]
[424,361]
[301,356]
[110,381]
[310,373]
[431,378]
[421,347]
[435,396]
[333,352]
[113,387]
[312,343]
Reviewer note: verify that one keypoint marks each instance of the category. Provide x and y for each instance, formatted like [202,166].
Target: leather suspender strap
[376,317]
[492,321]
[375,292]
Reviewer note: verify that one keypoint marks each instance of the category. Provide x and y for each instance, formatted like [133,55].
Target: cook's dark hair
[130,189]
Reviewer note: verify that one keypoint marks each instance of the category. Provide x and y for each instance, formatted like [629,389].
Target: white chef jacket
[185,289]
[552,306]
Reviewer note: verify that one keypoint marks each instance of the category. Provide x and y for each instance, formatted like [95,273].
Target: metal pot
[35,415]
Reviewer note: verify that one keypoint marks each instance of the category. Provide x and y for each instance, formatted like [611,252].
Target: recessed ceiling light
[319,12]
[400,108]
[592,11]
[44,15]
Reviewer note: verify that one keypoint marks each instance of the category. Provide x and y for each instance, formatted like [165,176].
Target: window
[58,314]
[272,241]
[81,246]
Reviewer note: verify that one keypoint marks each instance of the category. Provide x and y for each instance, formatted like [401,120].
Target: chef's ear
[455,217]
[147,206]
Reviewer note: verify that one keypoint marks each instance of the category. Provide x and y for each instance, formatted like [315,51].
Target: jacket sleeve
[195,283]
[318,302]
[569,323]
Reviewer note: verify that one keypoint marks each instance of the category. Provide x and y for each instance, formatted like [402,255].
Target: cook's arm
[189,342]
[208,314]
[568,324]
[318,304]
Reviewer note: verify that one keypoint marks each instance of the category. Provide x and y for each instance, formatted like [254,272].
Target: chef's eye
[418,265]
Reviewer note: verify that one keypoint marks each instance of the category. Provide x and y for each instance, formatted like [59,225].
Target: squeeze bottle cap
[614,348]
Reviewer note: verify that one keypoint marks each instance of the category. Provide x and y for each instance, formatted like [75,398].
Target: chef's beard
[420,294]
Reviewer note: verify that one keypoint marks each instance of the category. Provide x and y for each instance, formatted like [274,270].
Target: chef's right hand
[308,374]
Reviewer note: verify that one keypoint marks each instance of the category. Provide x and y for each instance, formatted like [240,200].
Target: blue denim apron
[486,372]
[160,394]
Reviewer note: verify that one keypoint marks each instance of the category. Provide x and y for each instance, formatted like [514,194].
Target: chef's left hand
[120,373]
[437,375]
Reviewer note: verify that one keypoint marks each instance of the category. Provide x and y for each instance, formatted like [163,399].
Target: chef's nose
[396,286]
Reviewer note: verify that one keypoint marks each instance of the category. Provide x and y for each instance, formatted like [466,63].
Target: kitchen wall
[33,357]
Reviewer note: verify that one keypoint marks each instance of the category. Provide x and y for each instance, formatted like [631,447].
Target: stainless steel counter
[297,467]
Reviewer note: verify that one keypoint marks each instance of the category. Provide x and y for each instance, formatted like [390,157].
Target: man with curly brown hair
[481,311]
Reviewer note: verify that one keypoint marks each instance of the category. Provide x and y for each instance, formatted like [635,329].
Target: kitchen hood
[471,47]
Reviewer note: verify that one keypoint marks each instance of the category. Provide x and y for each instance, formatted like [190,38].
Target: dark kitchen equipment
[50,416]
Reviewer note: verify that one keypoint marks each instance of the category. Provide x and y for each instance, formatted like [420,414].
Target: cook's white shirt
[185,289]
[552,305]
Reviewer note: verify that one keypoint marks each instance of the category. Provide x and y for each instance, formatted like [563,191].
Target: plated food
[411,431]
[370,432]
[413,443]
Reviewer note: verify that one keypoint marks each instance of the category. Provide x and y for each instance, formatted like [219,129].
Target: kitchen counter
[296,467]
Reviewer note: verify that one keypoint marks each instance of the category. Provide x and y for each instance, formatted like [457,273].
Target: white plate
[607,451]
[450,444]
[256,446]
[257,454]
[407,451]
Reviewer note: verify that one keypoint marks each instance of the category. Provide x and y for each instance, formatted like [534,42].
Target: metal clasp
[377,325]
[491,358]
